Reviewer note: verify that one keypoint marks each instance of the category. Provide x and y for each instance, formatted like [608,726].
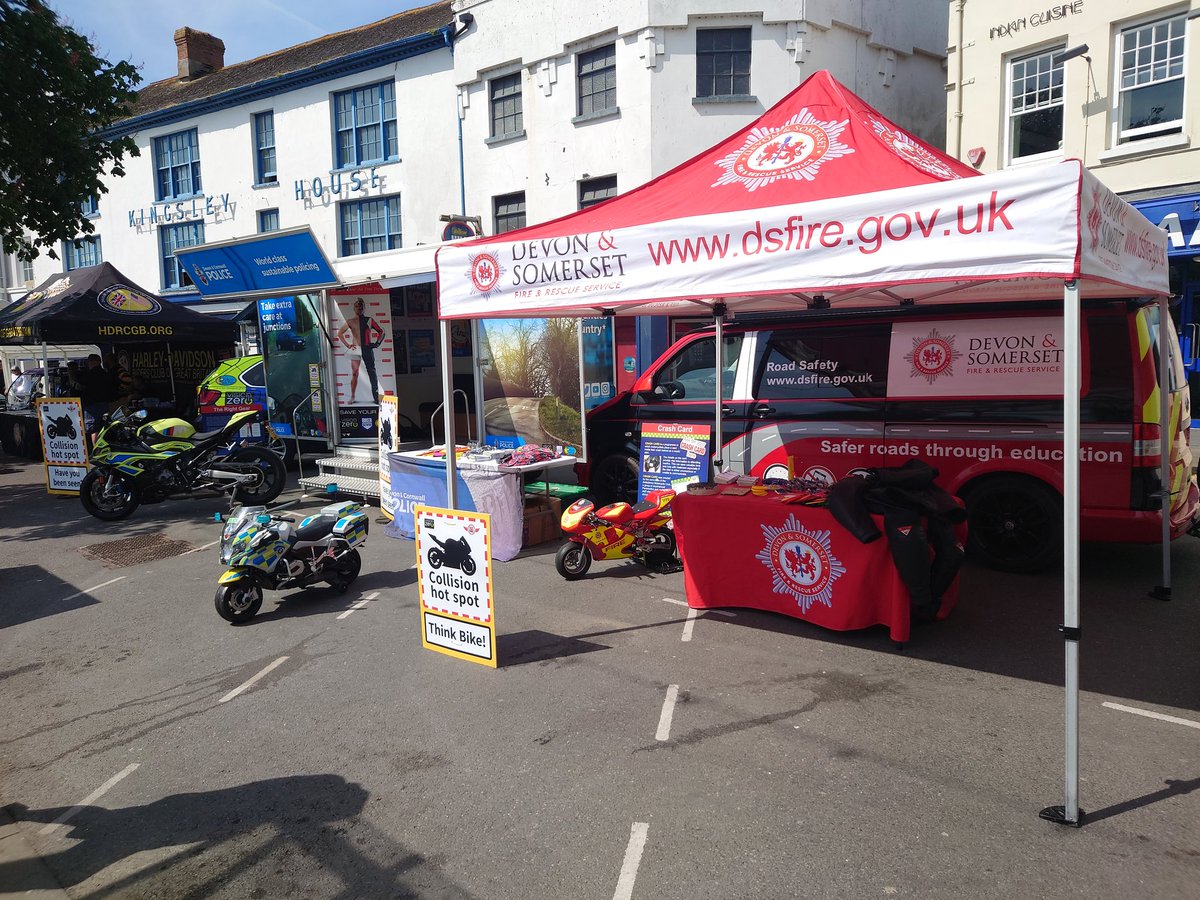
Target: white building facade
[1114,83]
[509,111]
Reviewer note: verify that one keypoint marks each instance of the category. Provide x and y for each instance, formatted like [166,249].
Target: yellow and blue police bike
[137,461]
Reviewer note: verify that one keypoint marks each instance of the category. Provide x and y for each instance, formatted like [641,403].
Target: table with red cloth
[762,553]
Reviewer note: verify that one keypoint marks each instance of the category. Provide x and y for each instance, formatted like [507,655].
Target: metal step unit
[354,471]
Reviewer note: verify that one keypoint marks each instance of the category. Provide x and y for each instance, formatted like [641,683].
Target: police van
[974,391]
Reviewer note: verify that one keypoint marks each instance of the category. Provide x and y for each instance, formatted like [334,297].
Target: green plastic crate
[568,492]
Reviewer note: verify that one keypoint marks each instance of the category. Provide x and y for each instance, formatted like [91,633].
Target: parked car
[976,392]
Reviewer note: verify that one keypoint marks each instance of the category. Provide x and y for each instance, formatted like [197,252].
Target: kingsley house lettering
[571,258]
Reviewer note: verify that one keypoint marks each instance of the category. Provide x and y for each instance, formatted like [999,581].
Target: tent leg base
[1160,593]
[1058,815]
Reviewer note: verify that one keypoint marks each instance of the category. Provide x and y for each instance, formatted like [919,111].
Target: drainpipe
[956,150]
[466,19]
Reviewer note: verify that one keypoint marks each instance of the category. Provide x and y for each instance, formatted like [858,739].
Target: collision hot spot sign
[64,446]
[454,578]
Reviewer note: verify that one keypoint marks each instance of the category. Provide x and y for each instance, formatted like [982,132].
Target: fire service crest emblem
[485,272]
[801,563]
[797,149]
[933,356]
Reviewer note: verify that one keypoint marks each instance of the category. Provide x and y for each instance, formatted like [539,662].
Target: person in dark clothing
[95,386]
[120,381]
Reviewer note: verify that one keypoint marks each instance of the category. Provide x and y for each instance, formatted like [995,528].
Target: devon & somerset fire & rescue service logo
[485,271]
[933,356]
[801,562]
[797,149]
[904,146]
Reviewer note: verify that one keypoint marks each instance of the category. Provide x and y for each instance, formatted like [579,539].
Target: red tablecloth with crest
[758,552]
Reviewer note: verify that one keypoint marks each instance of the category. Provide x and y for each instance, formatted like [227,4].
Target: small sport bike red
[616,531]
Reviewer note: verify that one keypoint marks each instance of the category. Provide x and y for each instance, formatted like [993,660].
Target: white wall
[890,54]
[426,177]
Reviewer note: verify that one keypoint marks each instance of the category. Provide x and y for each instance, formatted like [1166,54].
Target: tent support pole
[448,412]
[45,372]
[1162,591]
[1070,813]
[719,401]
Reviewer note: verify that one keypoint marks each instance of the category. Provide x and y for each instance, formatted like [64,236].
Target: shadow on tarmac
[1133,647]
[18,606]
[291,828]
[322,600]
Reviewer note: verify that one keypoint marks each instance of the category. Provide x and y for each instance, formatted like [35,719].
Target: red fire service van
[975,392]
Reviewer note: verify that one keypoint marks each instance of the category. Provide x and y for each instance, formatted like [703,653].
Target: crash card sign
[454,577]
[64,445]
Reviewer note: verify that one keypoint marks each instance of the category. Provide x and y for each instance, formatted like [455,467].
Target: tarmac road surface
[625,748]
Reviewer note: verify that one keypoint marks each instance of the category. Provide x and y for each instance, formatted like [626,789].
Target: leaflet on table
[673,456]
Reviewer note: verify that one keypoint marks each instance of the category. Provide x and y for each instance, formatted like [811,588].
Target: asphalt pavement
[625,747]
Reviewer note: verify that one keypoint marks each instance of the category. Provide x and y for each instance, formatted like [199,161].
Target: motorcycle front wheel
[436,558]
[572,561]
[345,570]
[238,602]
[106,501]
[270,473]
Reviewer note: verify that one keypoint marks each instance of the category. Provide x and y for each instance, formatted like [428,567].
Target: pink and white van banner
[1014,234]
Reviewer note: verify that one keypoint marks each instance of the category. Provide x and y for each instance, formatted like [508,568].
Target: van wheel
[1014,524]
[615,478]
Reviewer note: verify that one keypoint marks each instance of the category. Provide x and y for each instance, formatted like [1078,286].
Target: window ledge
[368,164]
[614,113]
[372,253]
[264,184]
[504,138]
[1145,146]
[725,98]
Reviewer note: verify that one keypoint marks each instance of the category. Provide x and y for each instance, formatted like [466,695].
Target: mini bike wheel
[345,570]
[661,541]
[238,602]
[108,502]
[572,561]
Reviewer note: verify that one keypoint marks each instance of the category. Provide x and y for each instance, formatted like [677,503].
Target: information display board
[673,456]
[454,578]
[64,444]
[389,441]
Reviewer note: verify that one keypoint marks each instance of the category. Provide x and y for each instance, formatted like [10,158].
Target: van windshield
[691,373]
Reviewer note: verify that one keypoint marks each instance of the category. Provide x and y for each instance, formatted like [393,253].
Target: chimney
[199,53]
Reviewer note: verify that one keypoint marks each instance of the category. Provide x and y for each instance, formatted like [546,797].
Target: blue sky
[141,30]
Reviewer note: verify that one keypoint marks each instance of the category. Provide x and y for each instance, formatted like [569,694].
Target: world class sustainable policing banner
[285,262]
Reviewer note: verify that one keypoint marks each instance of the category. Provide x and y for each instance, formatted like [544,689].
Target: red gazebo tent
[823,201]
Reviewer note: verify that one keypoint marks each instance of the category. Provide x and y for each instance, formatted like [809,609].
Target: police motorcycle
[138,462]
[264,551]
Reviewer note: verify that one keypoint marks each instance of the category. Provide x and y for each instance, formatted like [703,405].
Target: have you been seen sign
[454,576]
[64,446]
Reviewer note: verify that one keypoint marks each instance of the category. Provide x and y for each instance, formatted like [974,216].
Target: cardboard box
[541,521]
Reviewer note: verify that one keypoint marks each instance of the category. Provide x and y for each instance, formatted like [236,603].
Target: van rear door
[818,399]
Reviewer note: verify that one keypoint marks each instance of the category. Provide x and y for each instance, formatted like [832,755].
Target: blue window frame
[268,220]
[172,238]
[364,122]
[90,207]
[81,253]
[370,225]
[264,148]
[177,165]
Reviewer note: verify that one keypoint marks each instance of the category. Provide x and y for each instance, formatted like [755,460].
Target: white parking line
[263,674]
[204,546]
[633,858]
[360,604]
[689,625]
[89,799]
[668,712]
[1150,714]
[96,588]
[719,612]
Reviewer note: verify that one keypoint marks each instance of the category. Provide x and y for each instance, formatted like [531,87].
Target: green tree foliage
[56,98]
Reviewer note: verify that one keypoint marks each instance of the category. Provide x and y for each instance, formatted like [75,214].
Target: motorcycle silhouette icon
[61,427]
[454,553]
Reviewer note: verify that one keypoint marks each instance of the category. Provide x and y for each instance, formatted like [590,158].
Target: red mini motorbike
[616,531]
